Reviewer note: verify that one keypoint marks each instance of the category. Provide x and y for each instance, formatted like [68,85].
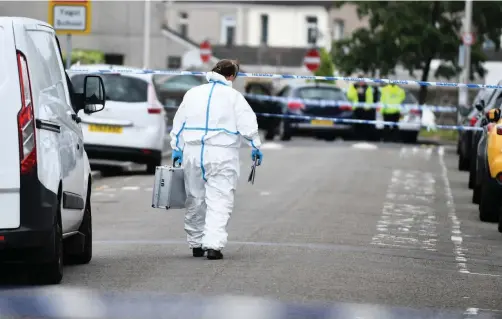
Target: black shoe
[198,252]
[214,254]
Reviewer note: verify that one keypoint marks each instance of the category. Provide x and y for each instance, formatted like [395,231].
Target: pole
[68,51]
[146,35]
[464,92]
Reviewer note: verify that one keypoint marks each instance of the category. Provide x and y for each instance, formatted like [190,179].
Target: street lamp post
[464,92]
[146,34]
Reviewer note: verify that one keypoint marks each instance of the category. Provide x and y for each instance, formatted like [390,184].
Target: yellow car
[489,168]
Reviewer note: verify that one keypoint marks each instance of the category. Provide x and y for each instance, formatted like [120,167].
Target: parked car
[46,178]
[469,117]
[495,98]
[287,128]
[133,126]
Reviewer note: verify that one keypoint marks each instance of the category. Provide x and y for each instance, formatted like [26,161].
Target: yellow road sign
[70,17]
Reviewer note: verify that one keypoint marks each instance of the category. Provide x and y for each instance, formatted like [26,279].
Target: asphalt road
[386,224]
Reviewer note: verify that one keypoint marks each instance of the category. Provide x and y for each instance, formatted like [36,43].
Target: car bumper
[125,154]
[406,123]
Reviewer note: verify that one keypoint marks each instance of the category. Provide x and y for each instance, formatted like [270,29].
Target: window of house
[312,30]
[114,59]
[174,62]
[228,25]
[338,29]
[183,24]
[264,29]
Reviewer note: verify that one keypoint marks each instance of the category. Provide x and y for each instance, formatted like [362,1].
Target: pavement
[325,222]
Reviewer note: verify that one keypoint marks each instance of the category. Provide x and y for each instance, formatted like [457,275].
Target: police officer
[362,93]
[392,95]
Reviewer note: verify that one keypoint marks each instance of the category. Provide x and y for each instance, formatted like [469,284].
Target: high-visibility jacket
[392,94]
[353,95]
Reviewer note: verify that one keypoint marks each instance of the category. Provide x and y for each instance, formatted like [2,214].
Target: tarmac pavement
[373,223]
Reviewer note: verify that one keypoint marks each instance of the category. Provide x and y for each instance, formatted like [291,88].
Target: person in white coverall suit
[206,137]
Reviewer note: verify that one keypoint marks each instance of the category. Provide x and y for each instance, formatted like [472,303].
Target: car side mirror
[493,115]
[480,106]
[94,94]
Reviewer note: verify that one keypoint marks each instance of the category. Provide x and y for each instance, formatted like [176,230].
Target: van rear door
[10,95]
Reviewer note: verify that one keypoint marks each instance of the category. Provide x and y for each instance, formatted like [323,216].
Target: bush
[86,56]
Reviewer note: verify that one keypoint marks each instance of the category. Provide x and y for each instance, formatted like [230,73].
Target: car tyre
[489,203]
[51,273]
[152,166]
[472,172]
[476,195]
[270,134]
[84,254]
[463,163]
[409,137]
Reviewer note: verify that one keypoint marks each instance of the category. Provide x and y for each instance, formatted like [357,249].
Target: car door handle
[76,118]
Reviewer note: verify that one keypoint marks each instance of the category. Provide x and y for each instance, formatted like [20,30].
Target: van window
[118,88]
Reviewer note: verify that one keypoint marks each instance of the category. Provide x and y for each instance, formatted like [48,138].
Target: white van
[45,178]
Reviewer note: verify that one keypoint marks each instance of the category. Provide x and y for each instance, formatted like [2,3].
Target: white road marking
[149,189]
[109,189]
[365,146]
[415,151]
[264,193]
[130,188]
[456,232]
[408,220]
[271,146]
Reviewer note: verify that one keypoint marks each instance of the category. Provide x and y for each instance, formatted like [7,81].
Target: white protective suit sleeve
[247,125]
[177,142]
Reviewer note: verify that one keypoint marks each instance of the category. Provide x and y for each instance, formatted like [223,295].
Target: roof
[326,4]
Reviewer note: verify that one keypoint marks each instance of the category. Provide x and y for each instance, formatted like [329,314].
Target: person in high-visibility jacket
[362,93]
[391,96]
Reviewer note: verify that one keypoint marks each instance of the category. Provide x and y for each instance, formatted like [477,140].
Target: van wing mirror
[94,94]
[493,115]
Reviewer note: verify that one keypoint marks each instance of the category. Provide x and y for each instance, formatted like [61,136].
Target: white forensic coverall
[208,127]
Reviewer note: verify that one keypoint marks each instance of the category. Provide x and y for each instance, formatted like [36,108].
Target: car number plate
[105,129]
[322,122]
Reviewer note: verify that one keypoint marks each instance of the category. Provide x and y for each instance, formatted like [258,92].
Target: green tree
[86,56]
[326,68]
[413,33]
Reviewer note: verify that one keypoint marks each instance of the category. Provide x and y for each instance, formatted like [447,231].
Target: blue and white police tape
[332,103]
[335,120]
[288,76]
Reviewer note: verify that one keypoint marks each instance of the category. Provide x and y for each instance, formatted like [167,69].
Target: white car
[45,178]
[132,128]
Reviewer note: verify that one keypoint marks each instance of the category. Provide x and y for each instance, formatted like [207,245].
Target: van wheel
[80,252]
[51,273]
[152,166]
[489,202]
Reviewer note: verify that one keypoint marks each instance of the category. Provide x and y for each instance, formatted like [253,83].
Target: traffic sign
[312,60]
[468,38]
[205,51]
[70,17]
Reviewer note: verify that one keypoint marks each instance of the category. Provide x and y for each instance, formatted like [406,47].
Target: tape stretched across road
[354,121]
[332,103]
[288,76]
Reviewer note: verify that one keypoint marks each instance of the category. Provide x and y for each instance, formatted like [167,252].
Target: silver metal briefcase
[169,188]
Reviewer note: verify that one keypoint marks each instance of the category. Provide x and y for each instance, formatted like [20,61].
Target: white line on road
[130,188]
[456,232]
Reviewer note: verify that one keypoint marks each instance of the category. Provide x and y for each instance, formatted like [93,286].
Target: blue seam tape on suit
[178,136]
[206,130]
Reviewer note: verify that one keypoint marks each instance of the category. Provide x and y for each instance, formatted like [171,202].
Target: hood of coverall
[213,76]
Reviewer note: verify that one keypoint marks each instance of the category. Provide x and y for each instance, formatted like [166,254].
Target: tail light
[154,106]
[417,112]
[295,105]
[499,130]
[473,121]
[346,107]
[26,119]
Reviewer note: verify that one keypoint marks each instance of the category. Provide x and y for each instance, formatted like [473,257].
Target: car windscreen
[321,93]
[118,88]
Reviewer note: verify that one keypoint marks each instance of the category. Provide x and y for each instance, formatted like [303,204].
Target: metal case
[169,188]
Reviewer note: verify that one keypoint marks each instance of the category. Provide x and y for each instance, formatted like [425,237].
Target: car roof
[91,67]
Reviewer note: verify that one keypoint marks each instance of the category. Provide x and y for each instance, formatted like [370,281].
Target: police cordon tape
[355,121]
[287,76]
[332,103]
